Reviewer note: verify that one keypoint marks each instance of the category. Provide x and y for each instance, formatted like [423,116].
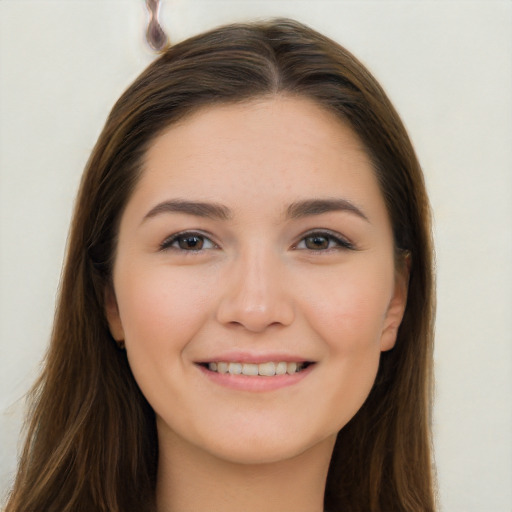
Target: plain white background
[447,66]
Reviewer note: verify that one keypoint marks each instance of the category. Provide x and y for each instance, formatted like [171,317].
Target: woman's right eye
[190,242]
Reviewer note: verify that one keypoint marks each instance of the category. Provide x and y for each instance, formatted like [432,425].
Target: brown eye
[323,241]
[190,242]
[317,242]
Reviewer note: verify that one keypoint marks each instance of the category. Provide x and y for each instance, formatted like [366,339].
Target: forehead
[271,150]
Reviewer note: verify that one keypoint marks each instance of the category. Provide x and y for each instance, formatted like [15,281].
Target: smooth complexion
[257,233]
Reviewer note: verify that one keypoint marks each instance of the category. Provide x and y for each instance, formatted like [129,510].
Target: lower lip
[257,383]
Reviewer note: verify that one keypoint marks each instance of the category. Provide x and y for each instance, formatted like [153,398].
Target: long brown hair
[91,441]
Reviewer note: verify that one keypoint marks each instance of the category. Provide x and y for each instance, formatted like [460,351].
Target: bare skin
[256,238]
[192,481]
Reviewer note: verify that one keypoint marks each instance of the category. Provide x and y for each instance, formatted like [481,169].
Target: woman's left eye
[321,241]
[188,242]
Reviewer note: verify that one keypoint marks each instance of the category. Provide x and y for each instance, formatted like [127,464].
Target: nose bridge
[255,295]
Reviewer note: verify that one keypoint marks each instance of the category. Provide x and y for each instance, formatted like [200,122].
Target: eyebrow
[296,210]
[310,207]
[198,209]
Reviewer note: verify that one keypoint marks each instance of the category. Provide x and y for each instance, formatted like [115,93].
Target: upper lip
[256,358]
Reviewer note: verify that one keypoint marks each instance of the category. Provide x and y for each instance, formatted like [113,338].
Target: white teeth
[250,369]
[291,368]
[222,367]
[268,369]
[235,368]
[281,368]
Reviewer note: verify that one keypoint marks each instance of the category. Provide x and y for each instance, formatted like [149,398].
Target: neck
[190,480]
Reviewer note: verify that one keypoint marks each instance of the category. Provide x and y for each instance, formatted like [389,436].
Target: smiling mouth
[268,369]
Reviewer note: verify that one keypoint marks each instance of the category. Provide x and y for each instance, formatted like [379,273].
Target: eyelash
[167,244]
[340,243]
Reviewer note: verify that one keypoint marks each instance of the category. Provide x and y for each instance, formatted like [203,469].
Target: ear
[112,314]
[396,308]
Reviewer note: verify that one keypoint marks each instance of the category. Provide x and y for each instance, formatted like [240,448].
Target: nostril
[253,297]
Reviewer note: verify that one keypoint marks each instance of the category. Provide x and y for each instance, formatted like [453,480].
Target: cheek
[350,321]
[161,311]
[349,308]
[346,309]
[160,307]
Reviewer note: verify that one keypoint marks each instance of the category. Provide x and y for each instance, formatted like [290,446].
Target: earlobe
[112,314]
[396,308]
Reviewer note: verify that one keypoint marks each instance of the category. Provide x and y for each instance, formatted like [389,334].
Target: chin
[264,446]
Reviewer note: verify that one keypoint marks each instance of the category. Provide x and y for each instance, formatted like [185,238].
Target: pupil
[191,242]
[317,242]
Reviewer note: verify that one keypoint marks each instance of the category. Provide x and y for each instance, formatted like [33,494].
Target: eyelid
[343,243]
[168,241]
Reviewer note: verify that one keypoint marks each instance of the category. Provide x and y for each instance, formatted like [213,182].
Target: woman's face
[256,242]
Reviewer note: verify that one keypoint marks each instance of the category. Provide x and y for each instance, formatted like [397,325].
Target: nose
[255,293]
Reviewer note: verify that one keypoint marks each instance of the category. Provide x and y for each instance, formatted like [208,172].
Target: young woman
[245,317]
